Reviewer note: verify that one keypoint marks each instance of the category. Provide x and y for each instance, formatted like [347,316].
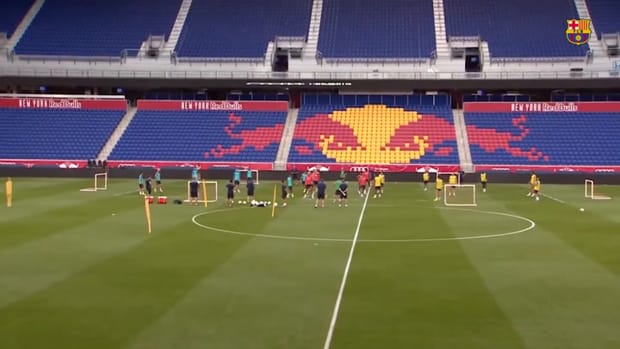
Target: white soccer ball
[243,202]
[268,202]
[275,204]
[581,209]
[239,202]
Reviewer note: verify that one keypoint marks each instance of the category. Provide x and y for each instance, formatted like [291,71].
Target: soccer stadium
[310,174]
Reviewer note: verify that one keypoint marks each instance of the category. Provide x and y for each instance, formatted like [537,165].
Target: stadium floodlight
[101,183]
[459,195]
[590,193]
[211,192]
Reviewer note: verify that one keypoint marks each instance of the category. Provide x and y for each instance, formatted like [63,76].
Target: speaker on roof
[280,61]
[473,63]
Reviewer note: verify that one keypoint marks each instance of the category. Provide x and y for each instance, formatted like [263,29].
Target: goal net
[590,193]
[101,182]
[459,195]
[211,187]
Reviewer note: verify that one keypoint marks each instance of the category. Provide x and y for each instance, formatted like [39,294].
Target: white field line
[553,198]
[127,192]
[332,324]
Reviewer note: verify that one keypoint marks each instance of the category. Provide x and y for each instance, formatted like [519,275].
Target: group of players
[145,186]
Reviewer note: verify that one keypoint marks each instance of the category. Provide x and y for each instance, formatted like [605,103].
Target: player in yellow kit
[452,180]
[382,176]
[483,181]
[377,182]
[438,188]
[426,177]
[533,180]
[536,189]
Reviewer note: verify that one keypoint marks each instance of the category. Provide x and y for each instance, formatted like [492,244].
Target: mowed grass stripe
[545,286]
[106,305]
[417,295]
[271,293]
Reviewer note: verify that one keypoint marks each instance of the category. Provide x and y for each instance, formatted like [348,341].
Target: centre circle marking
[531,226]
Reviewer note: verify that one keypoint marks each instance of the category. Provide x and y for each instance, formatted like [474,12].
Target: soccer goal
[590,193]
[459,195]
[211,187]
[101,182]
[446,175]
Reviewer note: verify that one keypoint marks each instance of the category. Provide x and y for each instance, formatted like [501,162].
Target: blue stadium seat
[546,139]
[516,29]
[605,14]
[240,28]
[55,134]
[12,13]
[377,29]
[97,28]
[155,135]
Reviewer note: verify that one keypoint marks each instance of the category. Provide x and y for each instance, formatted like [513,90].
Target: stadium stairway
[117,134]
[594,43]
[441,41]
[177,28]
[287,139]
[312,40]
[462,141]
[25,23]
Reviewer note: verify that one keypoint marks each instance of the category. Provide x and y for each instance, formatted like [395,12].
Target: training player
[321,188]
[250,188]
[438,188]
[237,179]
[158,187]
[141,183]
[343,191]
[284,187]
[483,181]
[533,180]
[343,174]
[377,183]
[425,179]
[193,191]
[382,176]
[536,189]
[308,183]
[453,181]
[337,193]
[249,174]
[149,188]
[289,183]
[362,181]
[195,174]
[230,193]
[303,177]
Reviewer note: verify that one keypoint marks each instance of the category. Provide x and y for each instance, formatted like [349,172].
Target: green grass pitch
[77,270]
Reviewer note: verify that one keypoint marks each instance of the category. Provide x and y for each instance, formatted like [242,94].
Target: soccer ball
[243,202]
[581,209]
[275,204]
[239,202]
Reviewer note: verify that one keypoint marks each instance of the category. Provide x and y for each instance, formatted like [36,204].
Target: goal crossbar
[103,177]
[201,199]
[453,201]
[588,186]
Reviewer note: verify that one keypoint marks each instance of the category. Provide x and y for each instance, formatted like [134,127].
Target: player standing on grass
[377,183]
[438,188]
[230,193]
[237,179]
[141,183]
[289,183]
[337,193]
[382,177]
[158,181]
[193,191]
[453,181]
[343,190]
[309,189]
[536,189]
[249,174]
[250,188]
[533,180]
[426,177]
[303,177]
[483,181]
[362,181]
[321,188]
[284,191]
[149,188]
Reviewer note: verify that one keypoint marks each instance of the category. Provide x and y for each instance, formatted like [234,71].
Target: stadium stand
[516,29]
[377,29]
[103,28]
[158,135]
[575,138]
[258,96]
[358,129]
[240,29]
[55,133]
[605,15]
[12,13]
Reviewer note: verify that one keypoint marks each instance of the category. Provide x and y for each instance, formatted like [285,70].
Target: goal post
[101,182]
[590,193]
[459,195]
[211,191]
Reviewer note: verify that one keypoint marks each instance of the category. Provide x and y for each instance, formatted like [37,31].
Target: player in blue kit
[344,187]
[193,192]
[250,188]
[195,174]
[230,193]
[321,189]
[289,183]
[141,183]
[149,187]
[237,180]
[158,187]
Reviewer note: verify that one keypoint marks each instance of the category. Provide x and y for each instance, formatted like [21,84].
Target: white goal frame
[200,194]
[96,187]
[589,193]
[446,188]
[447,175]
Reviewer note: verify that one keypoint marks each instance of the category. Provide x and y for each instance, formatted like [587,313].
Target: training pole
[147,210]
[273,203]
[204,192]
[9,192]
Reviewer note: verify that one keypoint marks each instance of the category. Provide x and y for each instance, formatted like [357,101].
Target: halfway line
[332,324]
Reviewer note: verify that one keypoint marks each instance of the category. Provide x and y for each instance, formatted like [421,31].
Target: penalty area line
[553,198]
[343,283]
